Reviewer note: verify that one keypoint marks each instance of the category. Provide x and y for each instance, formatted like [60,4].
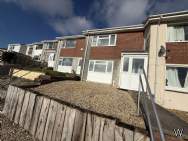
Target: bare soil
[99,98]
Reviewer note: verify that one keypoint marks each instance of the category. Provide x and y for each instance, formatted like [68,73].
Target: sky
[28,21]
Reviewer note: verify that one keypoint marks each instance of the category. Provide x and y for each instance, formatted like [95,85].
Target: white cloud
[72,25]
[48,7]
[121,12]
[61,12]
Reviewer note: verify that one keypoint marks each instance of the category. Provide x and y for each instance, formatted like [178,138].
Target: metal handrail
[148,93]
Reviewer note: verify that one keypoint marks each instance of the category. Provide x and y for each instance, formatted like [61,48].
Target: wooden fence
[49,120]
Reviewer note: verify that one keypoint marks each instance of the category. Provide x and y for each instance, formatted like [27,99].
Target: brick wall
[177,53]
[74,52]
[133,41]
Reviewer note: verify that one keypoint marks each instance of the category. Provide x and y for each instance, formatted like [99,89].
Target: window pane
[100,62]
[67,62]
[100,68]
[70,43]
[94,41]
[109,67]
[112,40]
[186,32]
[39,47]
[91,64]
[50,45]
[126,64]
[103,42]
[177,77]
[138,65]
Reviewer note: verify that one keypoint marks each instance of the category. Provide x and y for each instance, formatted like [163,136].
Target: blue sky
[27,21]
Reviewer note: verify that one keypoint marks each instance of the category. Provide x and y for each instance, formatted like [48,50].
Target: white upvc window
[100,66]
[177,78]
[104,40]
[70,43]
[66,62]
[178,33]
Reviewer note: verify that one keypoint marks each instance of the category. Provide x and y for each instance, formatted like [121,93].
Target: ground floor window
[100,66]
[66,62]
[177,77]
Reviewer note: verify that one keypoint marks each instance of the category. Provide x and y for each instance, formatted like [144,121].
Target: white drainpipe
[156,57]
[84,58]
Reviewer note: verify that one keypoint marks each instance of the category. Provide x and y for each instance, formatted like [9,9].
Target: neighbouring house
[116,55]
[19,48]
[35,50]
[108,50]
[14,47]
[70,53]
[49,52]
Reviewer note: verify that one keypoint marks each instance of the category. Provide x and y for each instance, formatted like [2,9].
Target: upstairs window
[50,45]
[70,43]
[178,33]
[104,40]
[38,47]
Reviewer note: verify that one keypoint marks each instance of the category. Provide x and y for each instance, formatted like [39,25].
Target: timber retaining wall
[49,120]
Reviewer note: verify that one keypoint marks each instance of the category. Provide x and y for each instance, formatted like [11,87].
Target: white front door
[131,65]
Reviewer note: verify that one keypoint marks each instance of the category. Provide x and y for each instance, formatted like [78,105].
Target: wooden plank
[42,118]
[50,121]
[103,120]
[89,127]
[119,134]
[79,126]
[14,105]
[128,134]
[96,128]
[12,101]
[21,94]
[29,111]
[59,122]
[24,109]
[140,137]
[36,114]
[109,131]
[7,99]
[68,124]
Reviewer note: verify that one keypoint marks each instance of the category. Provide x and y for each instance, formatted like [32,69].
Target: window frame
[170,88]
[98,38]
[175,25]
[61,59]
[106,67]
[65,43]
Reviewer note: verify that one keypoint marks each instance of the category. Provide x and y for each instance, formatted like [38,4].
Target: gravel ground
[11,132]
[100,98]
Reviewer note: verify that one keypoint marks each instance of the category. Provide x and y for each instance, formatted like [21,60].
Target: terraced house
[35,50]
[70,53]
[49,52]
[116,56]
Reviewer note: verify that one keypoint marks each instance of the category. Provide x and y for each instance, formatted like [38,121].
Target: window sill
[177,42]
[179,90]
[104,46]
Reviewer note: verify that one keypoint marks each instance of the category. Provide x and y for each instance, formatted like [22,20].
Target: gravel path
[100,98]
